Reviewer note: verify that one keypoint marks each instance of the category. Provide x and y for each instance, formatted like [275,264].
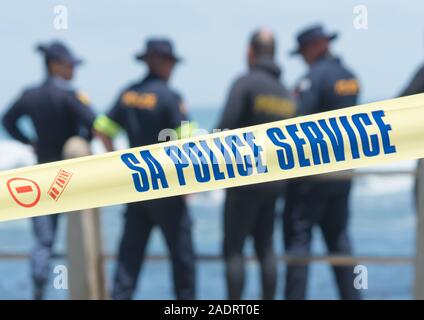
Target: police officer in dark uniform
[256,97]
[328,85]
[57,112]
[143,110]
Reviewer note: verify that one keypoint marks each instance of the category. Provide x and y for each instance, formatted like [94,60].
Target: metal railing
[338,260]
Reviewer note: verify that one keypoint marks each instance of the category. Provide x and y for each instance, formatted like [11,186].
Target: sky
[212,37]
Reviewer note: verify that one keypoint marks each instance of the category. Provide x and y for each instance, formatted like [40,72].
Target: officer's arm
[416,85]
[10,121]
[106,140]
[309,94]
[234,107]
[107,126]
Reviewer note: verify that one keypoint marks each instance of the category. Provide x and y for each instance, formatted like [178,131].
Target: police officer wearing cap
[57,112]
[328,85]
[143,110]
[257,97]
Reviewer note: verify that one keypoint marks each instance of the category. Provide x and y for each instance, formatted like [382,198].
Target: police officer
[143,110]
[256,97]
[57,112]
[328,85]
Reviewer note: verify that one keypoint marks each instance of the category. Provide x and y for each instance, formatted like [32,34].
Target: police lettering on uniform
[143,110]
[256,97]
[328,85]
[57,112]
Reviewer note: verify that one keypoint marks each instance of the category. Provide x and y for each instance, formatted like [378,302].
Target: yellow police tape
[360,136]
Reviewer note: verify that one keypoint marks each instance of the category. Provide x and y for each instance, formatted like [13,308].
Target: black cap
[311,34]
[162,47]
[57,51]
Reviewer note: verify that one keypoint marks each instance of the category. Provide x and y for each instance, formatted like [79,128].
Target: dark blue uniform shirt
[145,109]
[257,97]
[327,86]
[57,113]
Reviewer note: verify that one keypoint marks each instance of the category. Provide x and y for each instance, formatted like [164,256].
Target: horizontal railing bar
[333,260]
[342,175]
[350,260]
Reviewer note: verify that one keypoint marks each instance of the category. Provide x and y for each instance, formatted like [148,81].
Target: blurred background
[212,37]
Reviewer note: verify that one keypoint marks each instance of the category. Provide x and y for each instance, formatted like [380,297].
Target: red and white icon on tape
[59,184]
[25,192]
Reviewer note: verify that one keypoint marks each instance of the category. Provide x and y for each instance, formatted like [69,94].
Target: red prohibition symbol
[25,192]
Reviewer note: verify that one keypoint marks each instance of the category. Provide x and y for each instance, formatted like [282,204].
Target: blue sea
[382,224]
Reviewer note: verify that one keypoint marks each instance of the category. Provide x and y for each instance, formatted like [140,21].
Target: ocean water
[382,223]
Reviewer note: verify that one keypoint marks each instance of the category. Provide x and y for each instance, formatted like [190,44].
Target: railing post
[419,262]
[85,271]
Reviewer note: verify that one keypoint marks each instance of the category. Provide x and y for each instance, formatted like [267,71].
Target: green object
[107,126]
[186,130]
